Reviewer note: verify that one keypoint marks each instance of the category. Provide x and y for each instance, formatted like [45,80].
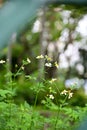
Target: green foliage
[13,117]
[54,113]
[29,104]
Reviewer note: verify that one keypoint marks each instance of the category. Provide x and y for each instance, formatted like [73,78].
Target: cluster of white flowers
[48,64]
[69,93]
[40,57]
[49,60]
[2,61]
[64,92]
[51,96]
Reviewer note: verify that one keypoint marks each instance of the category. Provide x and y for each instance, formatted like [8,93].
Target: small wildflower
[64,92]
[70,95]
[40,57]
[53,80]
[28,60]
[22,67]
[48,58]
[51,96]
[56,64]
[48,64]
[2,61]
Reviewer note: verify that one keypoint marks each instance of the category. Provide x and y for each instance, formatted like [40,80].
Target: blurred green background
[56,31]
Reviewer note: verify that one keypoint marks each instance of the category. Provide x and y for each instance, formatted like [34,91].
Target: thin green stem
[57,89]
[35,100]
[17,72]
[33,111]
[58,112]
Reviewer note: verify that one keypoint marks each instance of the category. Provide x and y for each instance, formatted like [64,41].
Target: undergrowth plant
[55,112]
